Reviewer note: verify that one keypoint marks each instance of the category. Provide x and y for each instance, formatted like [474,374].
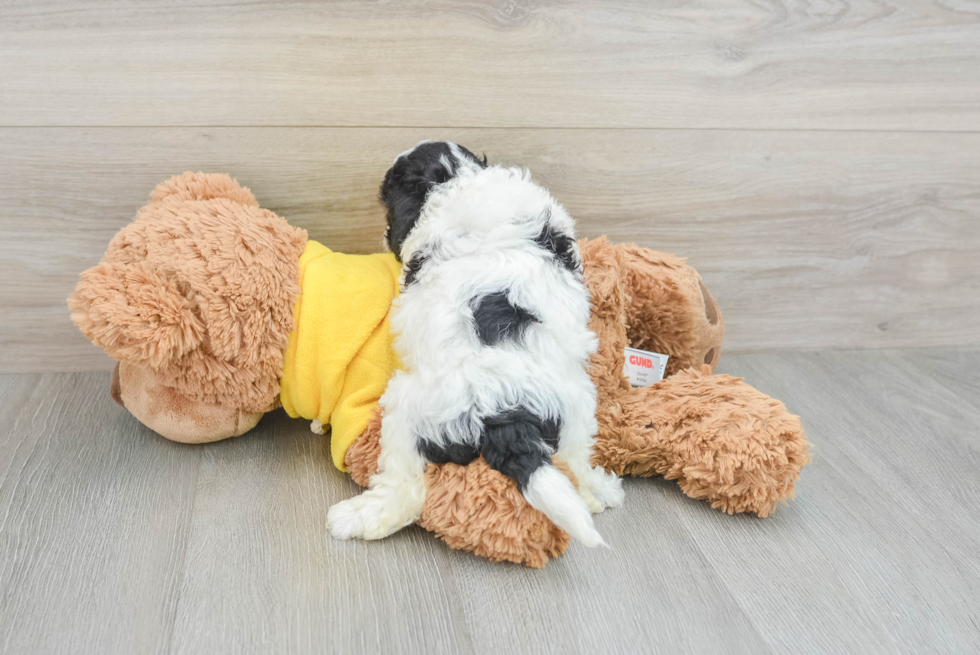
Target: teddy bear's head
[194,299]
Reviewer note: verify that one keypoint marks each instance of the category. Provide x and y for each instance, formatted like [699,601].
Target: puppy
[492,330]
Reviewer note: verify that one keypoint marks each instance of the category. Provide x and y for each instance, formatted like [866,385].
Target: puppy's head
[410,179]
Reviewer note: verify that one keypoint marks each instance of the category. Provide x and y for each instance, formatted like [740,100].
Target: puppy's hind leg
[599,488]
[395,495]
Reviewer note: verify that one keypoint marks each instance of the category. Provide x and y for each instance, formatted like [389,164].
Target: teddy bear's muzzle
[172,414]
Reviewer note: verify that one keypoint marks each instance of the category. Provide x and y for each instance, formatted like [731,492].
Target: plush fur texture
[493,334]
[724,441]
[198,292]
[669,308]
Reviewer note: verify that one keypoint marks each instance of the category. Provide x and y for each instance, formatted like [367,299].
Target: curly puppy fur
[492,328]
[200,290]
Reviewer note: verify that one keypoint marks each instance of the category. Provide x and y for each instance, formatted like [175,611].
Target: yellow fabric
[340,354]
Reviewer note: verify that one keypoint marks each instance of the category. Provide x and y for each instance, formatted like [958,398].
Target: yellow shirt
[340,355]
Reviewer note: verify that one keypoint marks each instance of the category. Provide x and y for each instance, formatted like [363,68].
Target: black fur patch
[550,430]
[454,453]
[560,245]
[497,320]
[518,443]
[408,182]
[414,267]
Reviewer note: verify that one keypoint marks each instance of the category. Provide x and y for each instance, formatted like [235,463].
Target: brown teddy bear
[199,301]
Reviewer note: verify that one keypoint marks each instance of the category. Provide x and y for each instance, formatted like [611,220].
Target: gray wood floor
[113,540]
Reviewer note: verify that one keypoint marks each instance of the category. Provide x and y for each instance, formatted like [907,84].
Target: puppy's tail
[517,445]
[549,491]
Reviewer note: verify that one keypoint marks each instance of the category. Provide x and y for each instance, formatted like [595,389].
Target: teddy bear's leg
[670,311]
[647,300]
[396,492]
[722,440]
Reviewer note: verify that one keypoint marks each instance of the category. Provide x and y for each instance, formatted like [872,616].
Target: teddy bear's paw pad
[607,488]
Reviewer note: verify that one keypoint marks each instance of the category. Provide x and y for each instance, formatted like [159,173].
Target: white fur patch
[552,493]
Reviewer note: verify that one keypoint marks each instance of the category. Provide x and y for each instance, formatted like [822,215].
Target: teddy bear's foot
[722,440]
[375,514]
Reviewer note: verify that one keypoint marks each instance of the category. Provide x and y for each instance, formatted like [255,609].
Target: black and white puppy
[492,331]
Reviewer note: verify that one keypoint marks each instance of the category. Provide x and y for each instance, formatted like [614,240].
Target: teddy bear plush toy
[218,311]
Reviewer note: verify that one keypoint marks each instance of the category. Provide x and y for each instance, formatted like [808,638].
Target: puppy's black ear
[409,180]
[480,161]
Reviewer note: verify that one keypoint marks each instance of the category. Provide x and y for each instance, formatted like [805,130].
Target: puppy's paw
[595,506]
[607,488]
[372,515]
[344,520]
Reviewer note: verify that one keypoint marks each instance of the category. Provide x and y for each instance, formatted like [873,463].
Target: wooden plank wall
[818,163]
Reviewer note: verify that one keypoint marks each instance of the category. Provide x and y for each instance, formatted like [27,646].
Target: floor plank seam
[720,579]
[181,565]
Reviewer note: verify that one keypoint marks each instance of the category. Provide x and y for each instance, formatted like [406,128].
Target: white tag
[644,368]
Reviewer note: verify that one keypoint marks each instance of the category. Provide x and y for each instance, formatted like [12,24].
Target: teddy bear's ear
[135,314]
[203,186]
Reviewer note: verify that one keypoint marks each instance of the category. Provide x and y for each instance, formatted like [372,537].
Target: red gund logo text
[640,361]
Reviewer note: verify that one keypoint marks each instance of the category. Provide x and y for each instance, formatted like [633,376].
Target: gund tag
[644,368]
